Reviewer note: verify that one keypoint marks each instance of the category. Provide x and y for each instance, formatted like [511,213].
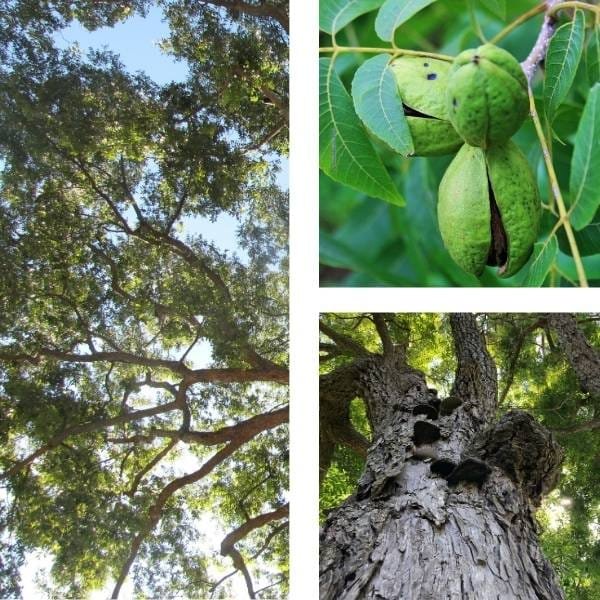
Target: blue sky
[136,41]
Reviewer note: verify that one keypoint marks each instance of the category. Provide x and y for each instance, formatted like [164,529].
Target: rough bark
[582,357]
[445,506]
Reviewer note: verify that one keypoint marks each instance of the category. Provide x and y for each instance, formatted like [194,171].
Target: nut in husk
[422,87]
[487,97]
[488,209]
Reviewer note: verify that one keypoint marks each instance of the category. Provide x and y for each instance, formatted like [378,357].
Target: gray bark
[445,506]
[582,356]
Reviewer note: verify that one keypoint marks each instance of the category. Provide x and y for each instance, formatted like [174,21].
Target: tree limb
[139,476]
[263,9]
[581,355]
[88,428]
[475,377]
[384,333]
[228,544]
[155,512]
[343,341]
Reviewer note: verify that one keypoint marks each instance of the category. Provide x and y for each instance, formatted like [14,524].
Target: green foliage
[378,104]
[544,254]
[405,247]
[346,153]
[562,60]
[115,290]
[336,14]
[394,13]
[585,181]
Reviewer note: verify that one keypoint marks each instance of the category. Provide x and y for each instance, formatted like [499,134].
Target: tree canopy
[547,365]
[143,366]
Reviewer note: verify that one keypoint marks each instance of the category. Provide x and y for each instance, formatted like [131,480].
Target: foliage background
[368,242]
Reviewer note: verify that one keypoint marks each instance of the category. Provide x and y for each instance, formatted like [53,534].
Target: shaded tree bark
[582,357]
[445,506]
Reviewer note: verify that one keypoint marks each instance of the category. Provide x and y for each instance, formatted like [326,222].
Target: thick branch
[112,357]
[275,375]
[263,9]
[581,355]
[243,530]
[475,377]
[384,333]
[343,341]
[213,438]
[228,544]
[155,512]
[88,428]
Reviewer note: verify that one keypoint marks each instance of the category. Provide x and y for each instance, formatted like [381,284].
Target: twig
[581,5]
[393,51]
[536,10]
[538,52]
[562,211]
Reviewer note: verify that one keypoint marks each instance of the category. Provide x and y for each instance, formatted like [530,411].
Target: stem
[562,211]
[536,10]
[538,52]
[392,51]
[564,5]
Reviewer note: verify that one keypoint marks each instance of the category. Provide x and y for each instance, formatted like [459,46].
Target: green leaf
[592,56]
[395,12]
[336,14]
[338,254]
[346,153]
[562,60]
[540,262]
[379,106]
[584,185]
[587,239]
[497,7]
[591,266]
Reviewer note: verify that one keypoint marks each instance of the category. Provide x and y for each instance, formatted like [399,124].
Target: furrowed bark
[445,506]
[580,354]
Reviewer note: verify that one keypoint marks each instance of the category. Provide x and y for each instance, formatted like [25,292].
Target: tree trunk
[445,506]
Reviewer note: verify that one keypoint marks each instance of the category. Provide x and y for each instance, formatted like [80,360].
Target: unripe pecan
[422,87]
[486,95]
[488,209]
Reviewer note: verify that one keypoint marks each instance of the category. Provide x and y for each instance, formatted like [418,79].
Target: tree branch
[475,377]
[155,512]
[538,52]
[343,341]
[263,9]
[581,355]
[88,428]
[228,544]
[384,333]
[139,476]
